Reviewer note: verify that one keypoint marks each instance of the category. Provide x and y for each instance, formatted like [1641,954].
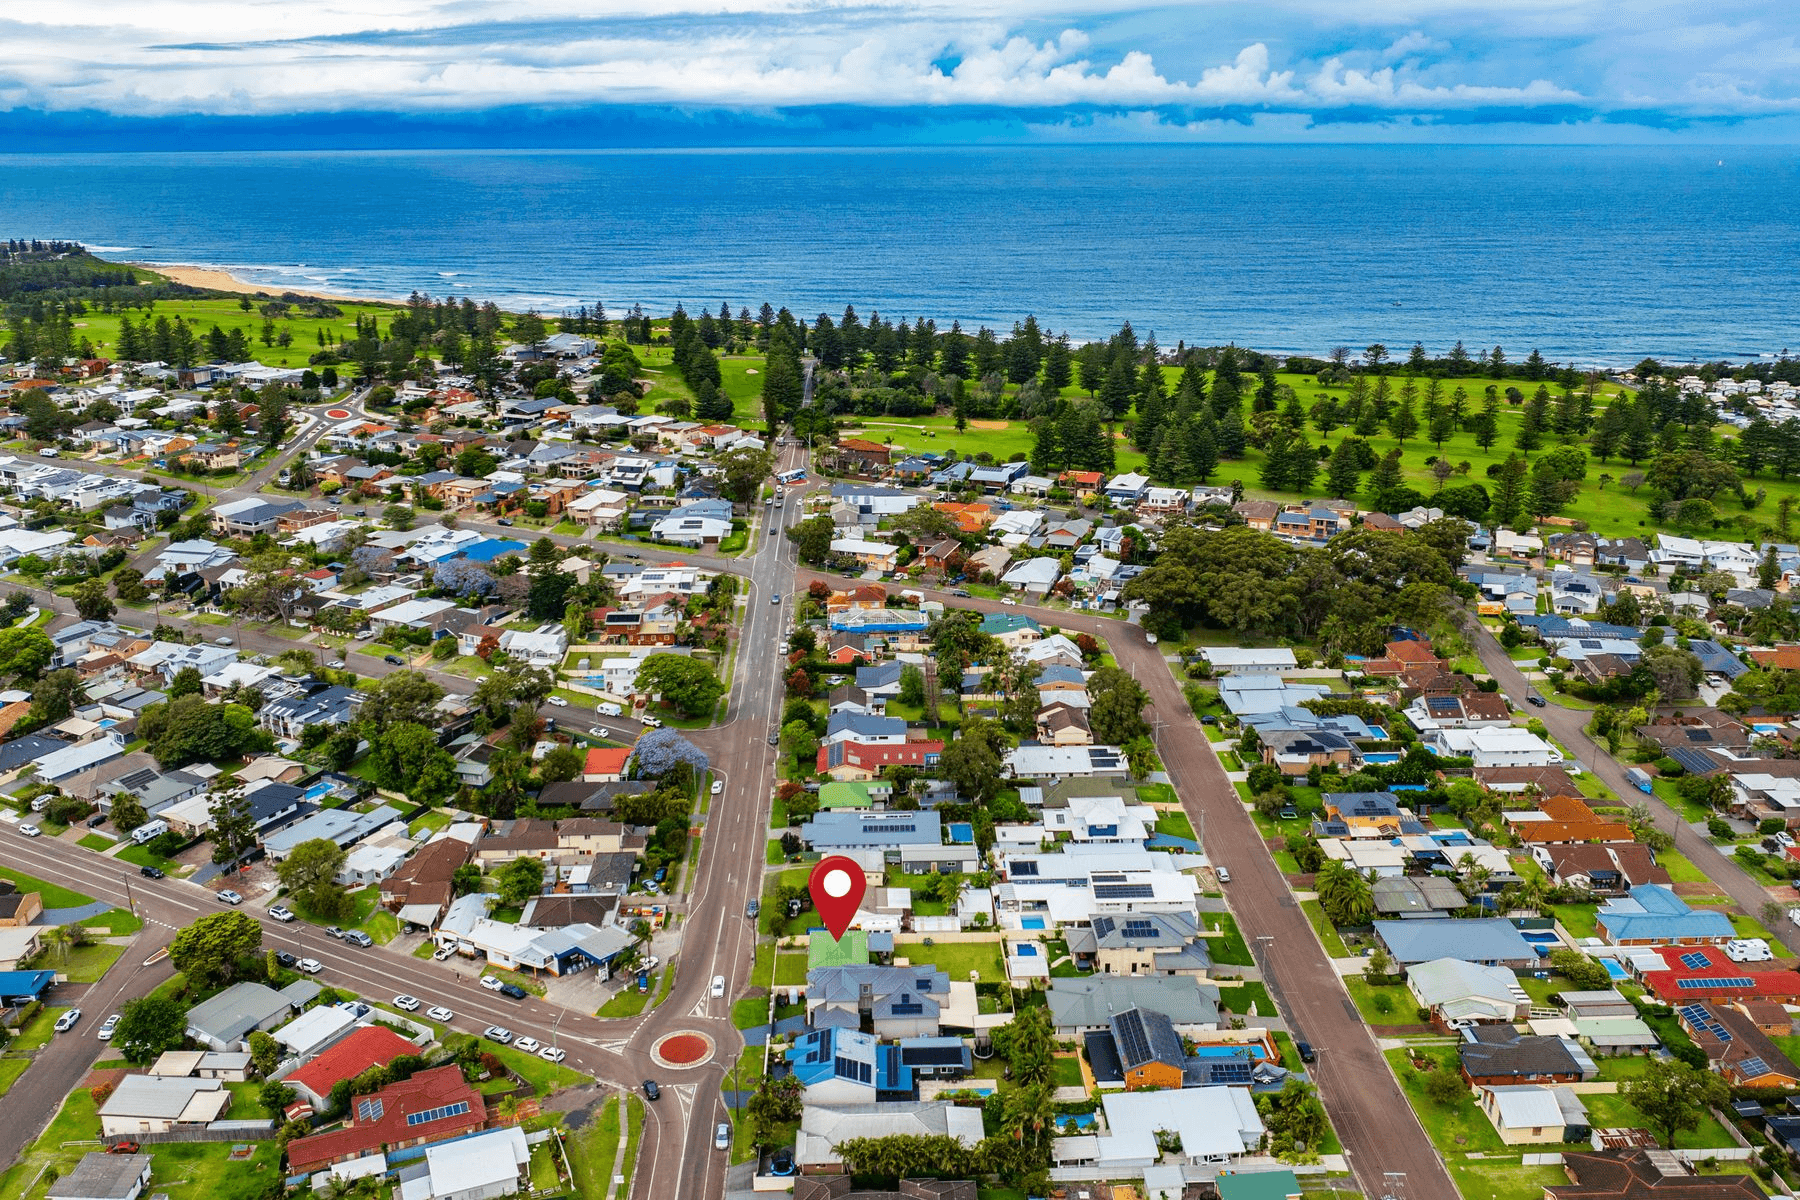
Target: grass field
[86,964]
[1452,1127]
[626,1002]
[546,1077]
[54,895]
[593,1149]
[10,1070]
[143,858]
[956,959]
[96,842]
[201,315]
[1229,949]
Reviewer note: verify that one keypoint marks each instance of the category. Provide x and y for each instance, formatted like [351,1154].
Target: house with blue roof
[19,988]
[1653,915]
[847,1066]
[1715,659]
[838,830]
[489,549]
[866,728]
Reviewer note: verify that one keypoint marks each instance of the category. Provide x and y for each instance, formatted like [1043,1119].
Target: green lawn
[1502,1180]
[1402,1008]
[303,332]
[1452,1127]
[1175,824]
[1679,868]
[1066,1071]
[1612,1111]
[545,1077]
[750,1012]
[1580,919]
[86,964]
[1239,997]
[634,1132]
[1228,949]
[956,959]
[626,1002]
[1616,1068]
[98,843]
[135,853]
[54,895]
[592,1150]
[790,969]
[1328,934]
[119,922]
[10,1070]
[77,1121]
[38,1031]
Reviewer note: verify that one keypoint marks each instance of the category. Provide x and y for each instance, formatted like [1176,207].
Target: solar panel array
[1134,1044]
[849,1068]
[368,1110]
[1231,1071]
[1124,891]
[1721,981]
[1695,961]
[1698,1016]
[438,1114]
[1750,1068]
[1140,929]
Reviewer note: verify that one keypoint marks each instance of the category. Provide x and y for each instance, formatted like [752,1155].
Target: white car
[529,1045]
[1784,839]
[1008,600]
[1223,874]
[718,986]
[230,897]
[406,1003]
[722,1137]
[497,1033]
[440,1013]
[30,830]
[67,1021]
[224,641]
[280,912]
[553,1054]
[106,1029]
[718,786]
[598,731]
[650,722]
[490,982]
[441,953]
[336,664]
[311,966]
[558,702]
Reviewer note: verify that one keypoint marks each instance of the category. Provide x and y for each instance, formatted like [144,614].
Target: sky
[170,73]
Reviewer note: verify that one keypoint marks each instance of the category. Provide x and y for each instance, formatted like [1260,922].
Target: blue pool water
[1026,951]
[1378,732]
[1031,922]
[1383,756]
[1613,969]
[961,832]
[1075,1121]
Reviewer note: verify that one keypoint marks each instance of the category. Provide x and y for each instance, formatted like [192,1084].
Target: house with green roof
[1011,629]
[1258,1185]
[855,795]
[823,950]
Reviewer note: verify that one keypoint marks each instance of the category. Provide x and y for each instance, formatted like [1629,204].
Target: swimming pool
[1614,970]
[1068,1121]
[962,833]
[1539,936]
[1382,756]
[1376,731]
[1025,950]
[1031,922]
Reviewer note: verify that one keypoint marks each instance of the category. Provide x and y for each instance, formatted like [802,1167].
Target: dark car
[507,521]
[752,908]
[96,821]
[513,990]
[651,1091]
[150,872]
[959,592]
[283,958]
[393,658]
[643,981]
[662,873]
[774,737]
[1306,1052]
[1535,700]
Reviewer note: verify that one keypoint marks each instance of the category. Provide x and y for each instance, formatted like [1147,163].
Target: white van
[609,709]
[148,830]
[40,803]
[1749,950]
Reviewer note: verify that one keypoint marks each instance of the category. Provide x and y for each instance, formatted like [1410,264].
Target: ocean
[1591,255]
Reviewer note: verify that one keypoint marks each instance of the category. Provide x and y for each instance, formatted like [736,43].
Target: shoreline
[224,281]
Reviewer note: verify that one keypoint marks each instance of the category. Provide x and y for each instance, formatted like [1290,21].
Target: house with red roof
[1696,974]
[605,764]
[860,762]
[369,1046]
[430,1107]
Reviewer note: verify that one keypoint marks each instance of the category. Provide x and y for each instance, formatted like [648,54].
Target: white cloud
[1407,56]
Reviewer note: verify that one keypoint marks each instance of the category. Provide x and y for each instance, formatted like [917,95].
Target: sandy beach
[225,281]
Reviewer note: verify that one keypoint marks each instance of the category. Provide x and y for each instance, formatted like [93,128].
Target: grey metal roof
[1481,940]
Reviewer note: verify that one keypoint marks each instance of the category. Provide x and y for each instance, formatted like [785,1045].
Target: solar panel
[438,1114]
[368,1110]
[1134,1045]
[1124,891]
[1718,1031]
[1752,1067]
[1694,961]
[1695,1014]
[1140,929]
[1231,1072]
[1722,981]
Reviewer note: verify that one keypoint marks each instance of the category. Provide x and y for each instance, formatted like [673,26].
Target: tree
[149,1026]
[1294,1118]
[1116,715]
[520,880]
[24,653]
[1443,1086]
[799,740]
[398,516]
[403,697]
[55,695]
[742,471]
[466,879]
[310,872]
[973,761]
[265,1054]
[1672,1096]
[189,729]
[1344,895]
[128,812]
[92,602]
[187,682]
[688,684]
[1028,1044]
[812,538]
[407,758]
[207,951]
[233,825]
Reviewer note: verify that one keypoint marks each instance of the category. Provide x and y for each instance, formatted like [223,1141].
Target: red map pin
[837,887]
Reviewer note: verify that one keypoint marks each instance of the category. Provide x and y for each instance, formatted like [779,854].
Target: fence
[218,1131]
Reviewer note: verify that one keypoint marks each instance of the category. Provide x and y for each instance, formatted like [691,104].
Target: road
[1569,727]
[1381,1135]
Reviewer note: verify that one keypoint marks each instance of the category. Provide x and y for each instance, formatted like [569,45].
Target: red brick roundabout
[685,1049]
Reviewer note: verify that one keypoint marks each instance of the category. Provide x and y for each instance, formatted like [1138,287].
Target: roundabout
[683,1050]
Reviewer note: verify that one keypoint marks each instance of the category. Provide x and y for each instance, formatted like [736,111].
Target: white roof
[1034,570]
[1527,1106]
[1214,1122]
[314,1029]
[472,1166]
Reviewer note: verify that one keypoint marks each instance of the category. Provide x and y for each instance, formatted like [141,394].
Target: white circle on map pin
[837,883]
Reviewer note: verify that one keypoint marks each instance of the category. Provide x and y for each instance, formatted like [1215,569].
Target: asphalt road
[1568,726]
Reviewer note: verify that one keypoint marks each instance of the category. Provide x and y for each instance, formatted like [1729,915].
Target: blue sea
[1591,255]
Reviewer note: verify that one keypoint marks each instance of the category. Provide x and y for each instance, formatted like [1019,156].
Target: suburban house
[1653,915]
[226,1021]
[1461,993]
[431,1106]
[1530,1113]
[1500,1054]
[1490,941]
[148,1104]
[1644,1174]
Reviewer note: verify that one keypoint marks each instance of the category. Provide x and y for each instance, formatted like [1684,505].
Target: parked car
[1306,1051]
[311,966]
[491,983]
[650,722]
[334,931]
[506,521]
[357,937]
[30,830]
[718,785]
[718,986]
[440,1013]
[1535,700]
[498,1033]
[224,641]
[230,897]
[67,1021]
[1008,600]
[651,1091]
[514,991]
[406,1003]
[553,1054]
[752,908]
[643,978]
[722,1137]
[441,953]
[336,664]
[150,872]
[959,592]
[529,1045]
[284,959]
[280,913]
[393,658]
[558,702]
[774,737]
[96,821]
[106,1029]
[1223,873]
